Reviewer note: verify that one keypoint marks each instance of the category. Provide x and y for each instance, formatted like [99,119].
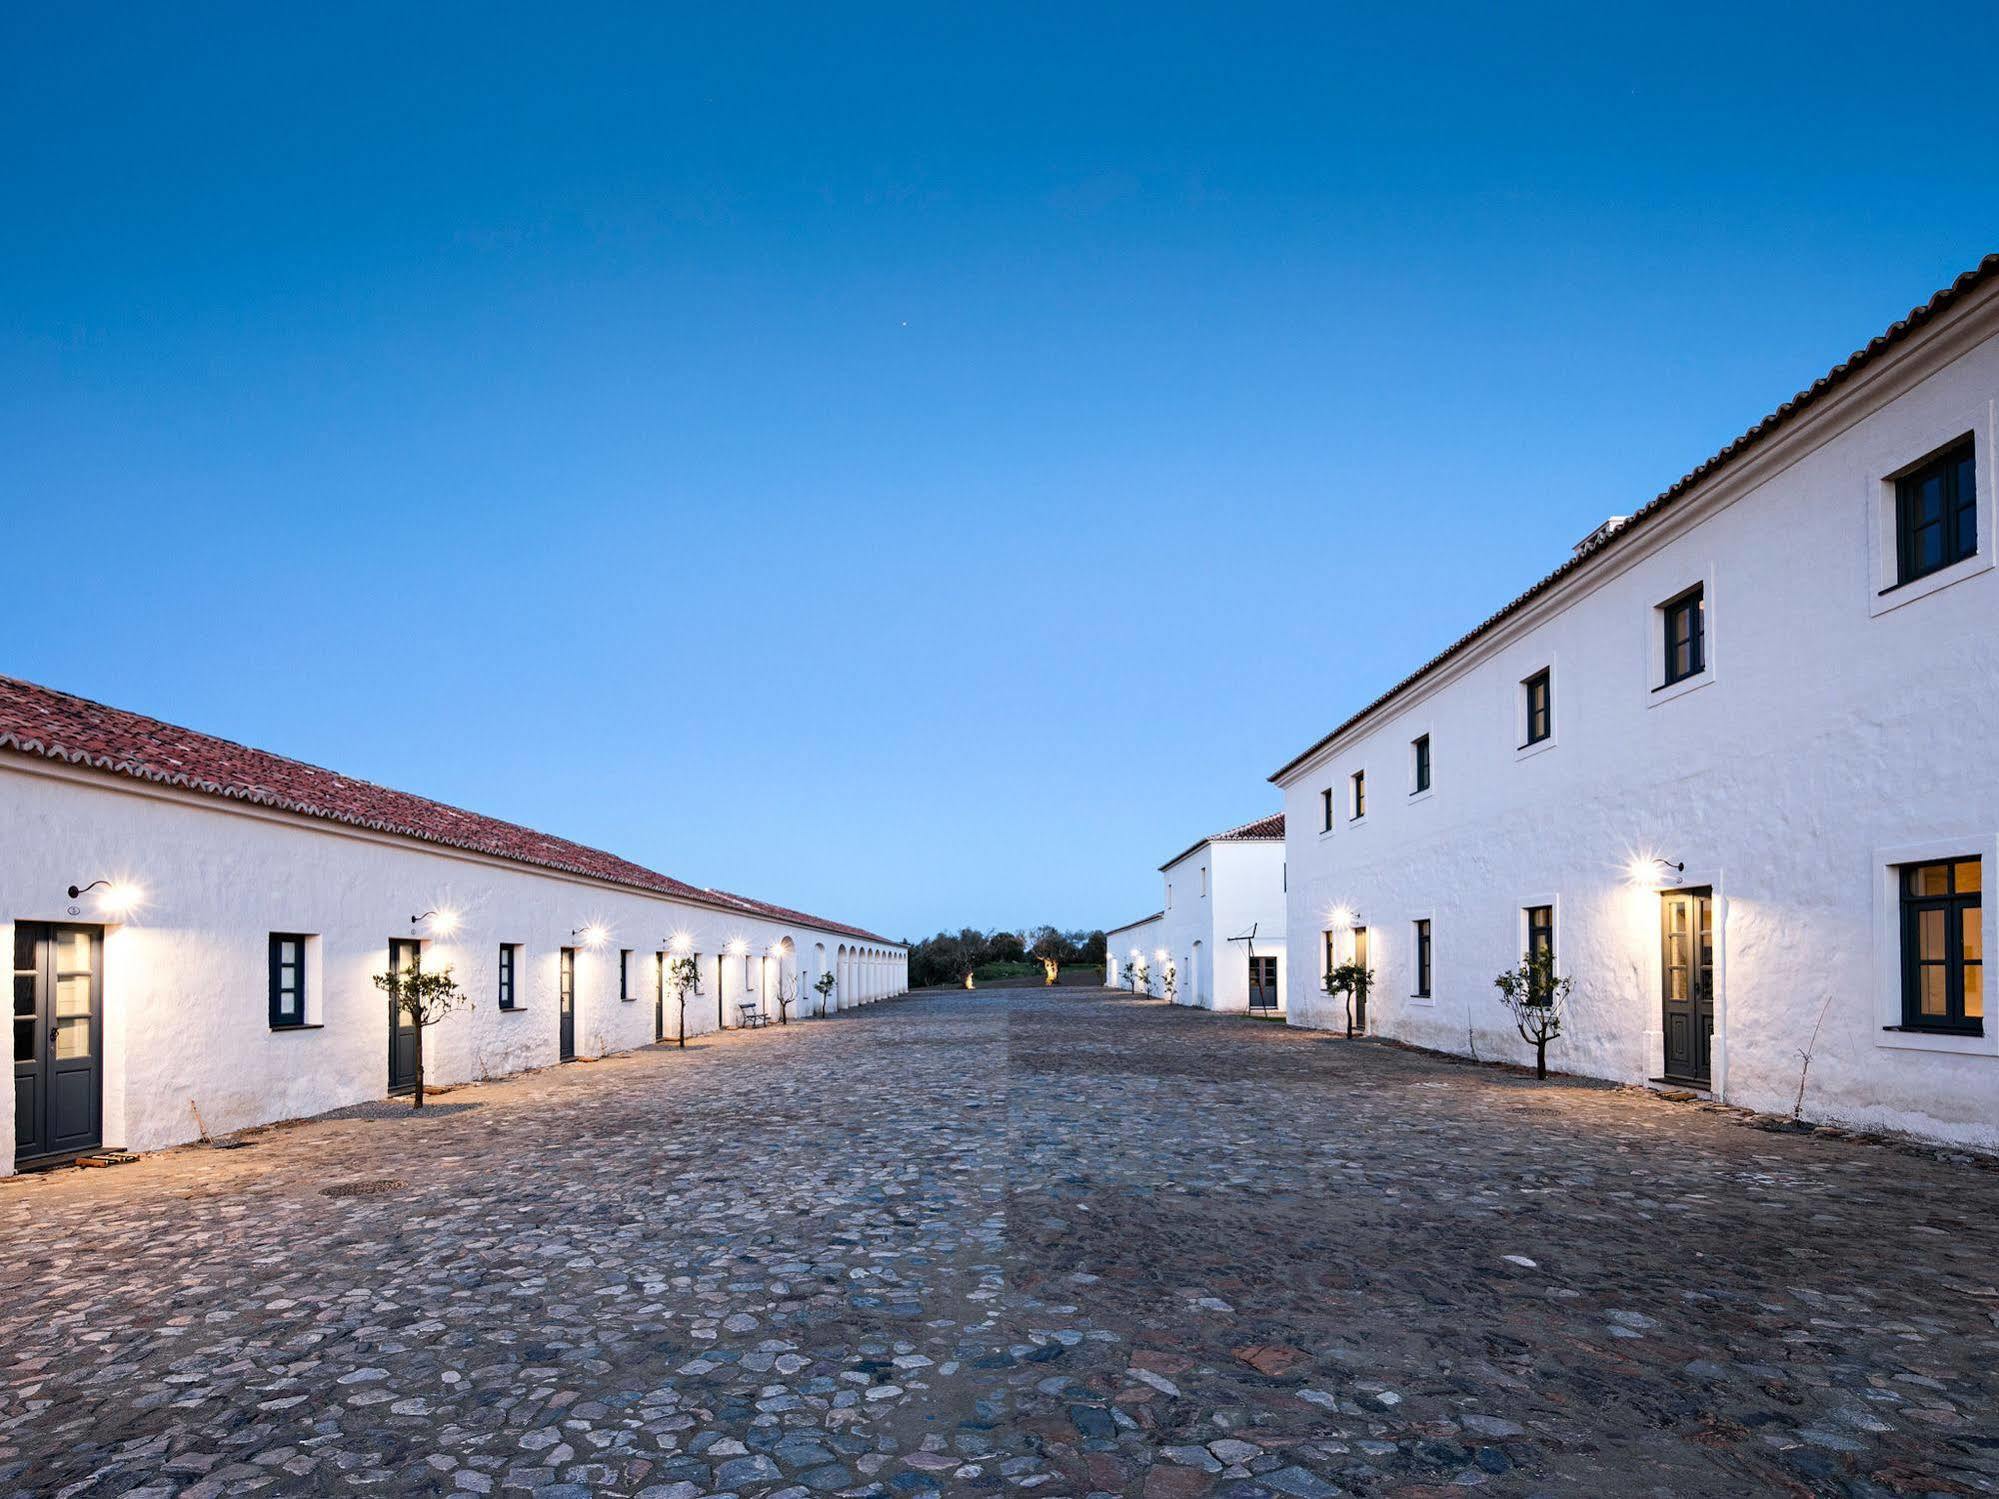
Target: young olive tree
[423,998]
[683,977]
[1141,977]
[824,984]
[1169,981]
[1352,981]
[1538,998]
[786,996]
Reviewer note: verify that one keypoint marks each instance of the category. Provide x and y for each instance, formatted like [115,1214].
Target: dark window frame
[1420,746]
[1422,924]
[1540,934]
[1953,904]
[1326,808]
[1955,467]
[625,975]
[1358,782]
[509,976]
[280,1022]
[1688,609]
[1541,714]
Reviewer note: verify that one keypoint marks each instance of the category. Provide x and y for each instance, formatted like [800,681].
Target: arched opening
[843,980]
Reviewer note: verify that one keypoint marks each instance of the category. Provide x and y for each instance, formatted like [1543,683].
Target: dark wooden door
[1262,982]
[566,1005]
[58,1041]
[1686,928]
[405,957]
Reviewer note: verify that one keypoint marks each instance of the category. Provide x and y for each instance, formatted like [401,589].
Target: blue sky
[927,464]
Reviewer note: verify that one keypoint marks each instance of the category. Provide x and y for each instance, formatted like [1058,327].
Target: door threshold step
[1679,1090]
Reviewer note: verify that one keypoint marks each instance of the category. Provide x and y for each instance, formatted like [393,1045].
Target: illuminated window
[1936,514]
[1540,938]
[1943,948]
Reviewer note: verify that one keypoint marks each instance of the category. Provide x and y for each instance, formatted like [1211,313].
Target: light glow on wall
[1340,918]
[443,922]
[593,935]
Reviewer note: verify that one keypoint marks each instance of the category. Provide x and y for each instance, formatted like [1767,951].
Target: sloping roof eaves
[1987,270]
[1269,828]
[1134,925]
[46,724]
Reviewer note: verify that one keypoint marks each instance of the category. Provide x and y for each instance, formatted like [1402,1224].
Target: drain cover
[380,1186]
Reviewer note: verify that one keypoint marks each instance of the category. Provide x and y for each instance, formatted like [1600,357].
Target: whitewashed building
[1219,938]
[195,926]
[1133,958]
[1730,763]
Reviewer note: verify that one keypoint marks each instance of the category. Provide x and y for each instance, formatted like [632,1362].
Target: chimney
[1601,534]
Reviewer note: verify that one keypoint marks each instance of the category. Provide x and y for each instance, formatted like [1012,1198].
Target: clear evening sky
[923,465]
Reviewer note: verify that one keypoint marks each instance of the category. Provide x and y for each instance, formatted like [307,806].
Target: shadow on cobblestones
[1056,1244]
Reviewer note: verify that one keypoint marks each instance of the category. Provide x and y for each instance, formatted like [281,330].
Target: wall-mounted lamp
[1340,918]
[593,935]
[118,897]
[1648,872]
[680,944]
[738,946]
[442,923]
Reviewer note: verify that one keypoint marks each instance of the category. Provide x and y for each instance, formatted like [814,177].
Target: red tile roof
[1129,925]
[55,725]
[1987,270]
[1271,827]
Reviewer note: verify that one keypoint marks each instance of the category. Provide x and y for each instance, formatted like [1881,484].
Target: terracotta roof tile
[53,725]
[1271,827]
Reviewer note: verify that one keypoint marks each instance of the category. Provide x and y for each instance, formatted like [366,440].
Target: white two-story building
[1218,942]
[196,927]
[1731,763]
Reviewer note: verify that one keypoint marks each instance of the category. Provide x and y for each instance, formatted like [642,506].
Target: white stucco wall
[1141,939]
[1837,732]
[186,981]
[1244,886]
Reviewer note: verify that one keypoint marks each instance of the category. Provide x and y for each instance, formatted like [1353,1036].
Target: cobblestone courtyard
[1008,1242]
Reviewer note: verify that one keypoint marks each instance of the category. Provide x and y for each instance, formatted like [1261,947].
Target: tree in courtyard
[422,998]
[1538,998]
[786,996]
[824,984]
[683,977]
[1351,981]
[1170,982]
[1141,976]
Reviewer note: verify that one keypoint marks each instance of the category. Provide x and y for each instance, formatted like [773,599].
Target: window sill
[278,1030]
[1424,795]
[1357,822]
[1924,1038]
[1666,692]
[1895,595]
[511,1009]
[1325,833]
[1539,746]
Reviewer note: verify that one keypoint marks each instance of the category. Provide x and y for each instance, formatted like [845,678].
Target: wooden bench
[750,1016]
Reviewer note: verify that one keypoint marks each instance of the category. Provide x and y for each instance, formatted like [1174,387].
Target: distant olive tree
[1538,998]
[423,998]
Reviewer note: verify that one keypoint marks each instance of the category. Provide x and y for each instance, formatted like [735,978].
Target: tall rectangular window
[1541,936]
[509,966]
[1685,621]
[1943,947]
[625,974]
[287,980]
[1423,959]
[1326,807]
[1420,747]
[1331,961]
[1540,706]
[1936,513]
[1359,779]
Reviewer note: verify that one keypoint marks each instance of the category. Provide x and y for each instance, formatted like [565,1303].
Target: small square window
[287,980]
[1540,705]
[1685,623]
[1419,749]
[1359,780]
[1936,513]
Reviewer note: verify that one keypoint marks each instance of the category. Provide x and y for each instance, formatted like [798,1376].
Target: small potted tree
[1538,998]
[683,977]
[1352,981]
[424,998]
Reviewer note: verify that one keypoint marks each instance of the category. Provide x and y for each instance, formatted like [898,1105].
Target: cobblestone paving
[1004,1243]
